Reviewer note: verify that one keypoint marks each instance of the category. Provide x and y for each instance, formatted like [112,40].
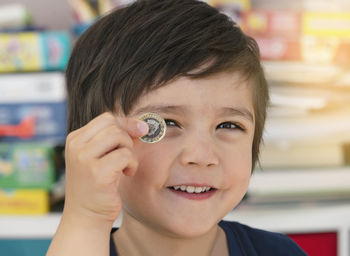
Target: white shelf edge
[297,220]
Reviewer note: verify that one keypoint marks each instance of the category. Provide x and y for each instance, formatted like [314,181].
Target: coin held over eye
[157,127]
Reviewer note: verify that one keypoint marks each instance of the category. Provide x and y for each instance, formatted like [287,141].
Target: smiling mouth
[192,189]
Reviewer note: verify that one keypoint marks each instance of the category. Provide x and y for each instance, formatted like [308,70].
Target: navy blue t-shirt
[243,240]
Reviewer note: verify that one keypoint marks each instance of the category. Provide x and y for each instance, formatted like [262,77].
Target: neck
[136,238]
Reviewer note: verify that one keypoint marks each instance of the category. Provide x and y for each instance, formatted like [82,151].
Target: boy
[186,62]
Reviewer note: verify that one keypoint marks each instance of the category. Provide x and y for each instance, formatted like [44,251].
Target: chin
[189,229]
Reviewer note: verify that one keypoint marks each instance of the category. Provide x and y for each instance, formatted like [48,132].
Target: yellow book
[326,24]
[24,54]
[34,51]
[243,4]
[26,201]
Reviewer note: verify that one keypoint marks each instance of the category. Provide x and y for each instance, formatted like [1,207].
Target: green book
[26,165]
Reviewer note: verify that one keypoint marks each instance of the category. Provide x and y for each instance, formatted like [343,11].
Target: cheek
[145,179]
[154,161]
[237,167]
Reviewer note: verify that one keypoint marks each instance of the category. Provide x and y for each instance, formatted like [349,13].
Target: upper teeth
[192,189]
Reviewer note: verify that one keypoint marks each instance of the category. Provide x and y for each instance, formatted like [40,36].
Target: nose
[199,151]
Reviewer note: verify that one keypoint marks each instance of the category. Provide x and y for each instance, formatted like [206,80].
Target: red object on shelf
[317,244]
[278,48]
[25,129]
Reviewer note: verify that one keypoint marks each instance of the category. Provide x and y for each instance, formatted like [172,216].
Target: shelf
[305,219]
[295,72]
[279,219]
[301,182]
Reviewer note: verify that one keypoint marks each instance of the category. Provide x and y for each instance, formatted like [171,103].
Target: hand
[96,156]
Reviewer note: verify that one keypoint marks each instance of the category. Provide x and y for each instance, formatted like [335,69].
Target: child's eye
[170,122]
[229,125]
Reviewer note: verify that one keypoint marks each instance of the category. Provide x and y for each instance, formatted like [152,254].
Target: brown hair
[143,46]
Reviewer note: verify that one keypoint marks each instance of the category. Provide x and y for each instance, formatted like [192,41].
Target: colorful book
[311,49]
[326,24]
[26,201]
[34,51]
[279,48]
[277,23]
[33,107]
[26,165]
[291,24]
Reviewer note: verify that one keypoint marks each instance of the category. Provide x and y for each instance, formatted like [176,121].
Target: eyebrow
[243,112]
[161,109]
[229,111]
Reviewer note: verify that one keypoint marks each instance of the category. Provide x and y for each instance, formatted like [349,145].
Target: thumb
[134,127]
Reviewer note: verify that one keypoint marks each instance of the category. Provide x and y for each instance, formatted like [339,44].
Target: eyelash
[174,123]
[232,126]
[170,122]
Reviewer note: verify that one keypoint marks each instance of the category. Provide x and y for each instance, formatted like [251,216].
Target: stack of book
[32,110]
[305,49]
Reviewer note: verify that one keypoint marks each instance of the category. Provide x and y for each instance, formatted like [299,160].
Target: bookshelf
[292,197]
[307,220]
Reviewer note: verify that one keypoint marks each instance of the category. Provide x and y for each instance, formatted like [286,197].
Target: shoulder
[261,242]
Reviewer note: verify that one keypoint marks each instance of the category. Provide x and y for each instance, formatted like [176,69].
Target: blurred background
[301,186]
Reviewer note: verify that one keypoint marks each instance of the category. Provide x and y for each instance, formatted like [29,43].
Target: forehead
[217,91]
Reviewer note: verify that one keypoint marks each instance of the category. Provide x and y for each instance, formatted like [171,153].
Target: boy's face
[208,143]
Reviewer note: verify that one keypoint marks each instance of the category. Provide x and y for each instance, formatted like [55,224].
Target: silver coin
[157,127]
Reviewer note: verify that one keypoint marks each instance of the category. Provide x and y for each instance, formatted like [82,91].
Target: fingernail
[142,127]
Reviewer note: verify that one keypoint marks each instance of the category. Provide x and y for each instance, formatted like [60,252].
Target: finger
[135,128]
[109,168]
[105,141]
[89,130]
